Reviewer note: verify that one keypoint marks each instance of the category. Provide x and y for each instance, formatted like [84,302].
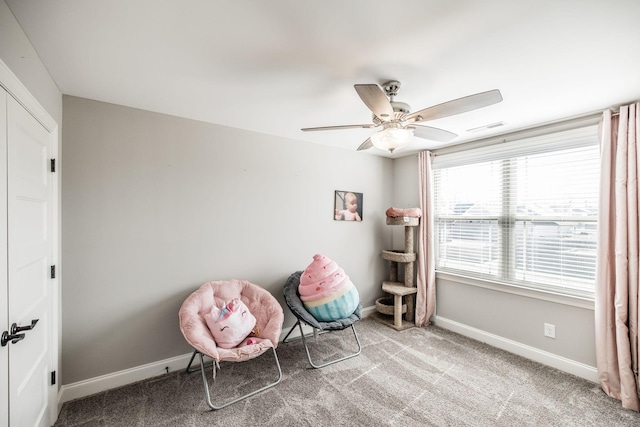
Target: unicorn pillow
[230,324]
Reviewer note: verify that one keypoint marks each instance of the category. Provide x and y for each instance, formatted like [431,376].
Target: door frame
[14,87]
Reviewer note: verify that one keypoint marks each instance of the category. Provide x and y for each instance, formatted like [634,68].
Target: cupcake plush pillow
[326,291]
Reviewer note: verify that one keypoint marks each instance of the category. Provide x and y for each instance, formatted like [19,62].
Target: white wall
[405,194]
[155,205]
[18,54]
[500,317]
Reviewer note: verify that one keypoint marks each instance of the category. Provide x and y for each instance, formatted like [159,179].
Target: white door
[30,228]
[4,306]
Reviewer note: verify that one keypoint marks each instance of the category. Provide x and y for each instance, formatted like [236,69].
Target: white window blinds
[524,213]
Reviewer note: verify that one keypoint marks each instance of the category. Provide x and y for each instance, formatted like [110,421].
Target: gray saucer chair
[264,307]
[292,298]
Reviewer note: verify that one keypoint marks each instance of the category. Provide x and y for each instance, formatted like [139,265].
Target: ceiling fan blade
[365,126]
[457,106]
[433,134]
[376,100]
[365,145]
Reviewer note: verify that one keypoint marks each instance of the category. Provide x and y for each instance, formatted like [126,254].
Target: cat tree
[399,290]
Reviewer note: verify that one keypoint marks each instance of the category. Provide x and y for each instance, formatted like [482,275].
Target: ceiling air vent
[485,127]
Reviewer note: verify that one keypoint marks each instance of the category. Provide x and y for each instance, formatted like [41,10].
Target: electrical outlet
[549,330]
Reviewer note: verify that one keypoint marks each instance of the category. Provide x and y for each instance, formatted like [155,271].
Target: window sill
[575,301]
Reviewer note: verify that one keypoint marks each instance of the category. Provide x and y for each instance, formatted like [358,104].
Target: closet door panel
[29,283]
[4,293]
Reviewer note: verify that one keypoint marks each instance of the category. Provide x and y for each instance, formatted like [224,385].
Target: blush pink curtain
[617,275]
[426,274]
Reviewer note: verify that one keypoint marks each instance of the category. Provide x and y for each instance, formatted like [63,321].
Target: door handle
[15,328]
[14,338]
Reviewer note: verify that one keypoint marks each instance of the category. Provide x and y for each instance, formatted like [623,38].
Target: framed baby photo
[347,206]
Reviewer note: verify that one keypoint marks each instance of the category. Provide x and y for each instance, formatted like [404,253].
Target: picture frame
[347,206]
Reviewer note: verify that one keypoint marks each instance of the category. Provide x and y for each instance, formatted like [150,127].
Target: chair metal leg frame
[306,348]
[193,356]
[216,366]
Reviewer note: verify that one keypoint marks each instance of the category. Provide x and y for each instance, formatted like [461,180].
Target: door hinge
[53,271]
[53,165]
[53,377]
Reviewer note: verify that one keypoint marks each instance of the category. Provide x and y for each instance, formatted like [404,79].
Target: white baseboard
[367,311]
[578,369]
[117,379]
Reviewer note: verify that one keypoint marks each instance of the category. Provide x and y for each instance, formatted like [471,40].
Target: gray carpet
[418,377]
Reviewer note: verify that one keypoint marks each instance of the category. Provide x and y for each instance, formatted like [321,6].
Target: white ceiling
[276,66]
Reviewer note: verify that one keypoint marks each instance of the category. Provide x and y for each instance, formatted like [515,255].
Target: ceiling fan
[399,124]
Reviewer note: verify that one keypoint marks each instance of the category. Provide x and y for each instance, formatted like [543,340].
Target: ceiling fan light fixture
[392,138]
[399,123]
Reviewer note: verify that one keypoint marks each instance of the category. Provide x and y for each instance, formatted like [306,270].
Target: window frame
[507,149]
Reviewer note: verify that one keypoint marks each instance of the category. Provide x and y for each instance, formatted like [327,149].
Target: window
[524,212]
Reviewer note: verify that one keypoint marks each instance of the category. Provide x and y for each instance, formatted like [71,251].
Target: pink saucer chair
[264,307]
